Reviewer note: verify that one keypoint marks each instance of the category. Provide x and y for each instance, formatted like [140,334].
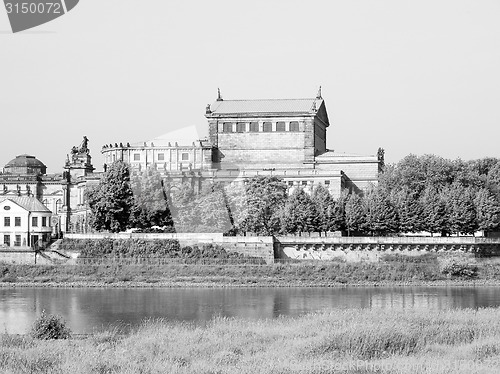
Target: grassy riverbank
[427,269]
[347,342]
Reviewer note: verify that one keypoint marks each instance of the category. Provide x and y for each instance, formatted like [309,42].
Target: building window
[327,183]
[17,242]
[254,126]
[280,126]
[6,240]
[185,156]
[227,127]
[268,127]
[58,205]
[137,157]
[290,183]
[34,221]
[294,126]
[114,158]
[6,221]
[44,221]
[240,127]
[304,183]
[17,221]
[161,156]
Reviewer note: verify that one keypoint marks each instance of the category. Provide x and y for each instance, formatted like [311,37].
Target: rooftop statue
[84,146]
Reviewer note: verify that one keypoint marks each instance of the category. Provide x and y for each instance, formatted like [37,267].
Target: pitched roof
[29,203]
[282,106]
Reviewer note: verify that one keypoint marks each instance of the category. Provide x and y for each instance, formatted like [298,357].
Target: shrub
[50,326]
[458,266]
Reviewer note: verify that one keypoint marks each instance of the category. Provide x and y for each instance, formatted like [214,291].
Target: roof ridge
[307,98]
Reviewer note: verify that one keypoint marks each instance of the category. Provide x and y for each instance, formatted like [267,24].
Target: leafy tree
[211,210]
[237,202]
[409,210]
[381,216]
[337,213]
[111,200]
[461,210]
[325,207]
[183,208]
[150,206]
[416,173]
[493,180]
[266,197]
[300,214]
[354,214]
[487,210]
[434,214]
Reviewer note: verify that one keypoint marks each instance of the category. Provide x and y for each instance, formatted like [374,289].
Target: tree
[150,206]
[461,210]
[380,214]
[266,197]
[211,211]
[182,207]
[354,214]
[434,214]
[325,207]
[300,214]
[111,200]
[409,211]
[487,210]
[237,202]
[337,213]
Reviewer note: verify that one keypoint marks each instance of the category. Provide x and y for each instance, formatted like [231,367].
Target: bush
[458,266]
[48,327]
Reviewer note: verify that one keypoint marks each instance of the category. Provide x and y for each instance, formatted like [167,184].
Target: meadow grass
[348,342]
[394,269]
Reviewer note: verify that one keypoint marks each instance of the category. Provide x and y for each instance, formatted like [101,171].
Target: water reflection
[90,309]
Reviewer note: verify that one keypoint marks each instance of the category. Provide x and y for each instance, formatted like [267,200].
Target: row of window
[17,221]
[304,183]
[17,240]
[161,156]
[255,127]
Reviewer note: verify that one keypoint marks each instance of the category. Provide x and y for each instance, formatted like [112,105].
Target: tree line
[419,193]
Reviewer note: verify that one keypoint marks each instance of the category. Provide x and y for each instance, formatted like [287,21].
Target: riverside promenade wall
[355,249]
[350,249]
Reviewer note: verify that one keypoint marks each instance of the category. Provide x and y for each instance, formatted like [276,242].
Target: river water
[88,310]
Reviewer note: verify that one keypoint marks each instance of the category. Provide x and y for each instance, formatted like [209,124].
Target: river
[92,309]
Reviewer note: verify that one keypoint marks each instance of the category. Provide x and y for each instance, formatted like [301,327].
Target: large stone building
[246,138]
[282,137]
[62,194]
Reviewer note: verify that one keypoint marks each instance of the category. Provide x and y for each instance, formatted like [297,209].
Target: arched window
[280,126]
[227,127]
[58,205]
[268,127]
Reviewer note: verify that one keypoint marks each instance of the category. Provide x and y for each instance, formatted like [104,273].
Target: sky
[408,76]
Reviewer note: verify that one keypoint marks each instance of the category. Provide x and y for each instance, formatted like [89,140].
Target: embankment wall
[354,249]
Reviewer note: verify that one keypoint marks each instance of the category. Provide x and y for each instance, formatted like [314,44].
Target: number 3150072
[40,8]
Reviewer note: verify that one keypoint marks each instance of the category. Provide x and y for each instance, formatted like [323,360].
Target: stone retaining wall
[373,248]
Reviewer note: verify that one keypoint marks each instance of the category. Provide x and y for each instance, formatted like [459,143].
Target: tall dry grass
[349,342]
